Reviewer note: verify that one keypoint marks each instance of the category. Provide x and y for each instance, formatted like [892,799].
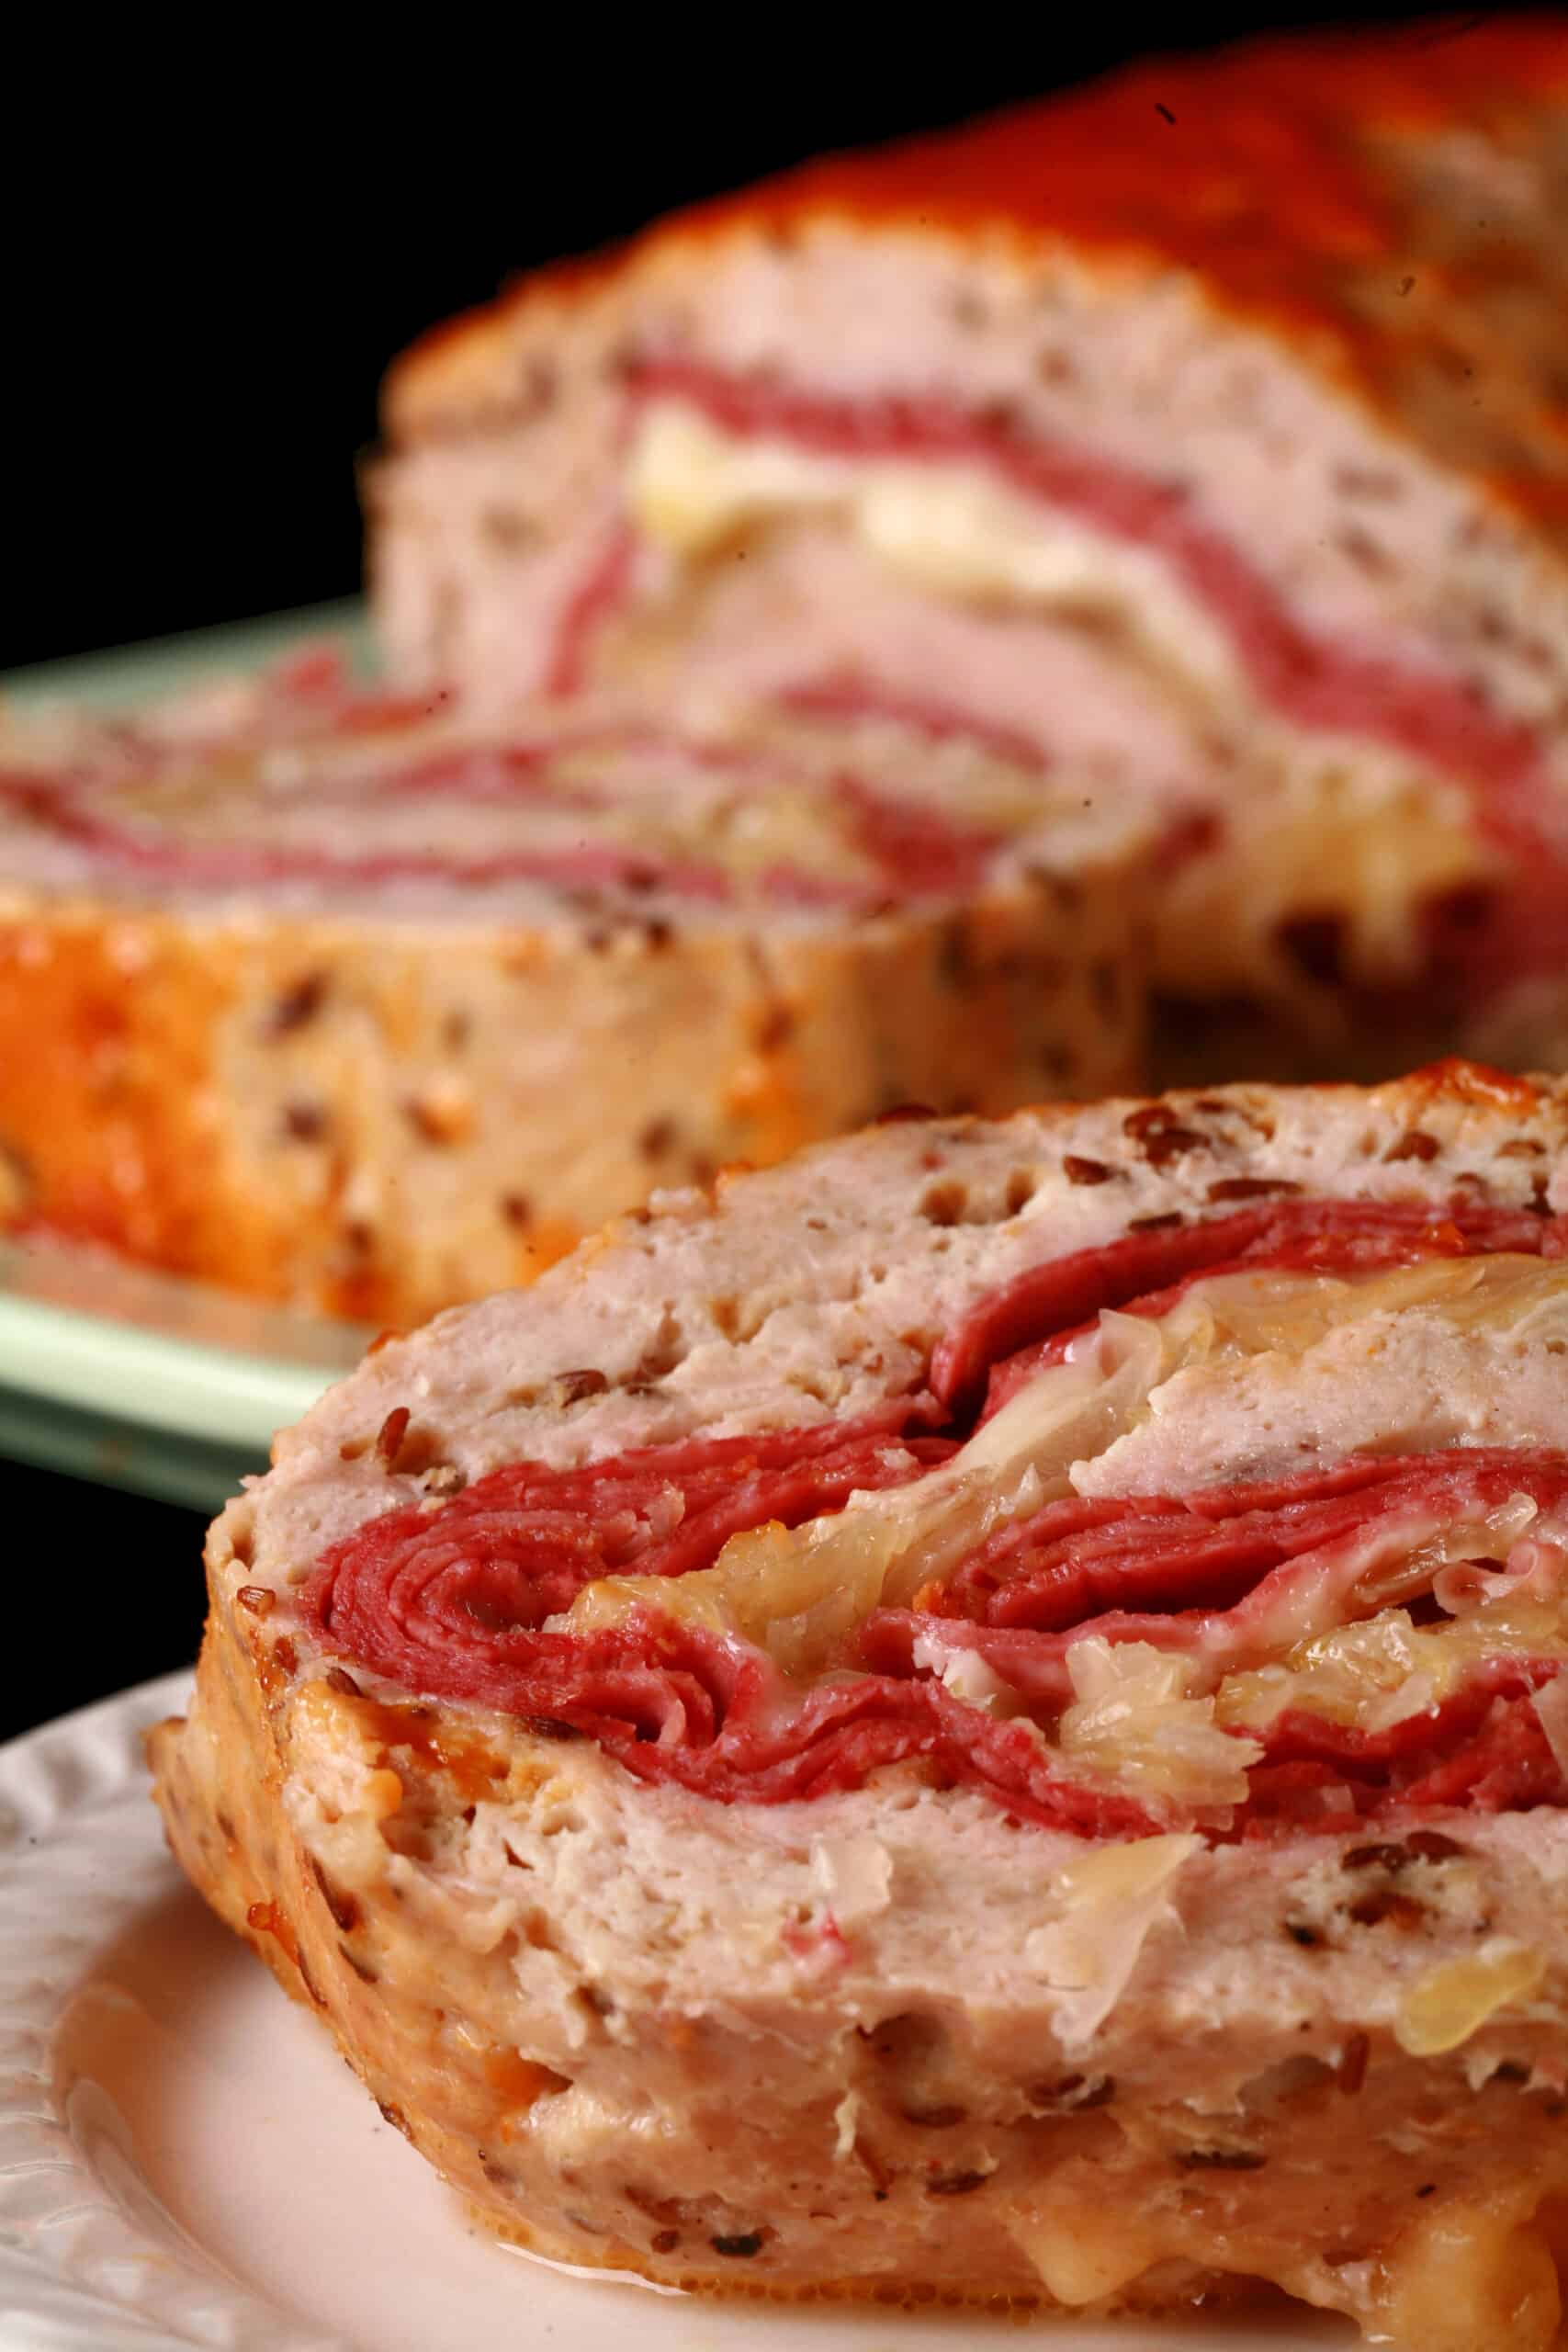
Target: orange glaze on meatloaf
[1160,164]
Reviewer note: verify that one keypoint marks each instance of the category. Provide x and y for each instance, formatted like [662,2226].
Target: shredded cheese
[1444,2007]
[1135,1721]
[952,526]
[1172,1728]
[1111,1902]
[854,1876]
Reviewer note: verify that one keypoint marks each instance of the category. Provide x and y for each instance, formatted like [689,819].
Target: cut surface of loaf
[1205,426]
[361,1001]
[975,1715]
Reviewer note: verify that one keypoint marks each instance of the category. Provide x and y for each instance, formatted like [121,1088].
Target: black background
[207,272]
[215,243]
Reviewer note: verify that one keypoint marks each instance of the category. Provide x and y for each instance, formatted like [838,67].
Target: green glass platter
[131,1378]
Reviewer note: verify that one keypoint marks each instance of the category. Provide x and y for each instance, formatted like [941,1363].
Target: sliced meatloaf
[1208,426]
[979,1715]
[364,1003]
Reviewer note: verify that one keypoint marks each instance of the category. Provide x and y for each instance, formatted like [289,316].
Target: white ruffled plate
[184,2159]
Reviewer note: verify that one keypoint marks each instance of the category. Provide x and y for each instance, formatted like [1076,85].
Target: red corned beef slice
[1060,1569]
[920,851]
[1029,1593]
[839,1732]
[597,598]
[1483,1750]
[452,1604]
[917,852]
[1212,1547]
[517,1546]
[90,823]
[1029,1322]
[844,694]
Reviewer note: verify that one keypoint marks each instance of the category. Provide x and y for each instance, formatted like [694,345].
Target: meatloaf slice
[368,1003]
[979,1715]
[1206,426]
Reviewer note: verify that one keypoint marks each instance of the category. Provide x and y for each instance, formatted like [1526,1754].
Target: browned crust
[1487,2160]
[103,1066]
[210,1098]
[1276,173]
[115,1124]
[232,1843]
[218,1795]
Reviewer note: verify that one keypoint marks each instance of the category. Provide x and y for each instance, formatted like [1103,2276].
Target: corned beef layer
[1030,1322]
[1314,680]
[916,851]
[453,1603]
[1471,944]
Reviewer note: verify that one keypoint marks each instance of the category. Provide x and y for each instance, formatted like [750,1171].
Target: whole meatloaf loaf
[1209,426]
[981,1715]
[362,1003]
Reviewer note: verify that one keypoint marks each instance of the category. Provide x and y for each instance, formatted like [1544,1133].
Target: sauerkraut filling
[287,780]
[1312,1631]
